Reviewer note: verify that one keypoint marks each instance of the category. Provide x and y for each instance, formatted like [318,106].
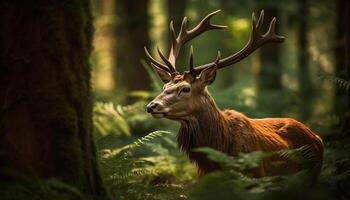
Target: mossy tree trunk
[45,94]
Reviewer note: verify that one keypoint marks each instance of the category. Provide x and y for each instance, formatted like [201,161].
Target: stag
[186,99]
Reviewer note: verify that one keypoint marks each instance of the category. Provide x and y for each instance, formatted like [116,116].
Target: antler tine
[260,20]
[183,27]
[172,32]
[155,62]
[256,40]
[205,25]
[271,32]
[217,58]
[192,71]
[186,35]
[166,61]
[178,41]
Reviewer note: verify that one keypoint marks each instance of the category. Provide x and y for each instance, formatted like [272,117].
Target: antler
[178,41]
[256,40]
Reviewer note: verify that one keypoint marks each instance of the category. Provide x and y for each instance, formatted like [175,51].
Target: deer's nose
[152,105]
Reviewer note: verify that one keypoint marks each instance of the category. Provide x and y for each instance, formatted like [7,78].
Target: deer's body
[185,98]
[232,132]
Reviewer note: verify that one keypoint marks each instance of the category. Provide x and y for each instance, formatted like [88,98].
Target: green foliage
[233,183]
[107,112]
[131,175]
[153,168]
[246,161]
[240,163]
[36,189]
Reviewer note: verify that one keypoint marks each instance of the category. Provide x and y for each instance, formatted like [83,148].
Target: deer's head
[184,94]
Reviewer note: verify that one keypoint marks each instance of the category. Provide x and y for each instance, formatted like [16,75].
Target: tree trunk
[131,36]
[176,13]
[270,70]
[269,75]
[45,96]
[176,10]
[342,100]
[305,84]
[341,62]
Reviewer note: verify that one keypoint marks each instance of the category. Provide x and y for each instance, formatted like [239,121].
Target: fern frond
[107,117]
[303,155]
[241,162]
[137,143]
[339,82]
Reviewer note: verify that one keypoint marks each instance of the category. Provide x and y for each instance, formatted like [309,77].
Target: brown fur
[232,132]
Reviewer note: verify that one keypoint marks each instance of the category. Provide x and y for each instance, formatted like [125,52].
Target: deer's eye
[185,90]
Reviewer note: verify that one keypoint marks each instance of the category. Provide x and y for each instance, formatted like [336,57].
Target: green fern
[303,155]
[241,162]
[137,143]
[245,161]
[120,166]
[108,119]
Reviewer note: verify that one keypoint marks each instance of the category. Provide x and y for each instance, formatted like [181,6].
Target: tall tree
[305,84]
[342,55]
[270,70]
[176,12]
[131,35]
[45,99]
[269,74]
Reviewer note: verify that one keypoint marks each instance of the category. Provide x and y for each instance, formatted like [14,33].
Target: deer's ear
[208,75]
[163,75]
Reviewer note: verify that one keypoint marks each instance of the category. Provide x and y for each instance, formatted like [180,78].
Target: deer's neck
[207,127]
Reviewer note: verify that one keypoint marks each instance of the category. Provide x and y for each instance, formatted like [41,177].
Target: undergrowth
[150,166]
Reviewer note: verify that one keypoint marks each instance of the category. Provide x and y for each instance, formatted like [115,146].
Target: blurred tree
[131,36]
[45,97]
[270,69]
[103,57]
[176,12]
[340,56]
[342,70]
[269,80]
[305,84]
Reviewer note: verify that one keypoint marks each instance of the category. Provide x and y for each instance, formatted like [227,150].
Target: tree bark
[45,94]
